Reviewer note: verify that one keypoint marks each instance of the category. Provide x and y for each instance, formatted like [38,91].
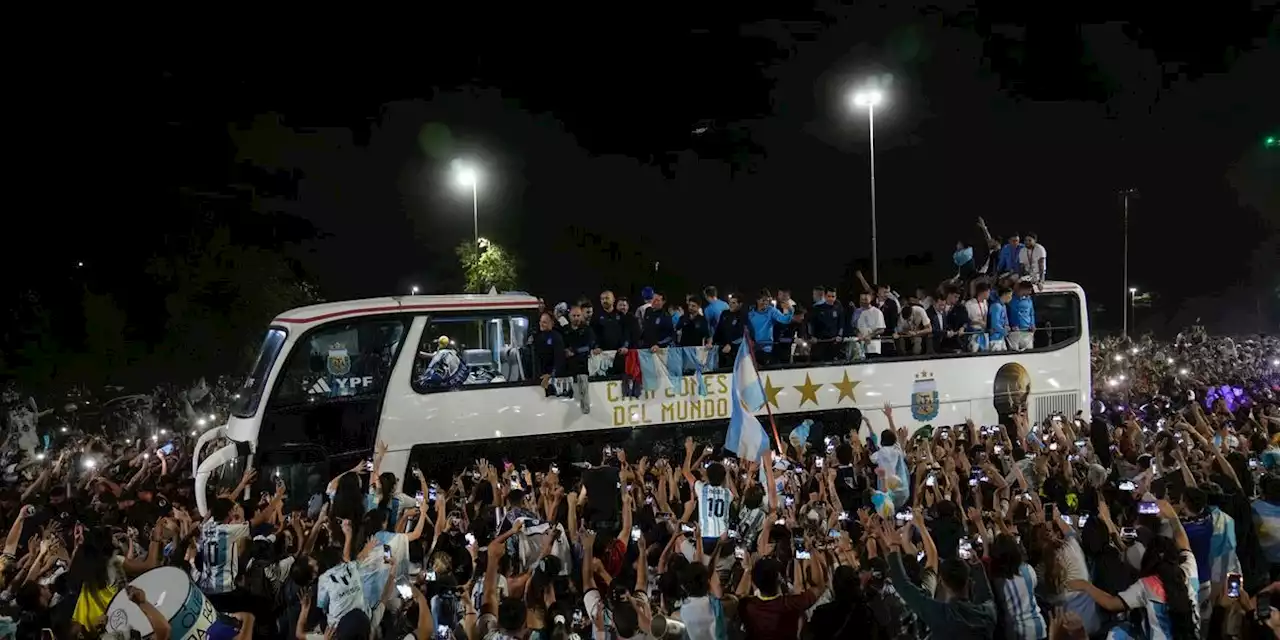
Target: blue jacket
[1022,313]
[1009,258]
[997,320]
[713,310]
[760,323]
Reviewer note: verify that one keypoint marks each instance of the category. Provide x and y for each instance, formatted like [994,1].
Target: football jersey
[713,509]
[219,545]
[340,591]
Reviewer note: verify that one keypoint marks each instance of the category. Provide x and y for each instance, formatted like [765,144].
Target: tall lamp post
[1128,309]
[1128,291]
[869,99]
[467,177]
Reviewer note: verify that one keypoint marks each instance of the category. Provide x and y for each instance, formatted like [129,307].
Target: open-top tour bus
[333,379]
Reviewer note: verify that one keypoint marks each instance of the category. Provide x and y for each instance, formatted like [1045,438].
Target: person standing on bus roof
[579,340]
[729,330]
[761,320]
[825,325]
[977,307]
[998,321]
[657,330]
[548,350]
[1022,318]
[869,324]
[694,329]
[714,306]
[646,294]
[1010,256]
[610,328]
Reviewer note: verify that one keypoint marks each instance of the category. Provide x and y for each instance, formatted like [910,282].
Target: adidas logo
[319,387]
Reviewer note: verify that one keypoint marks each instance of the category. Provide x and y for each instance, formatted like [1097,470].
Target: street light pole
[869,98]
[475,214]
[467,177]
[1128,292]
[1129,309]
[875,255]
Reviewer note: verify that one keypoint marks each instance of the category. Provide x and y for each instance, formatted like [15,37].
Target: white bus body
[366,352]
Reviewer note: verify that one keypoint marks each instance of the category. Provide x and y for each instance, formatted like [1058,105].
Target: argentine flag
[1266,517]
[746,436]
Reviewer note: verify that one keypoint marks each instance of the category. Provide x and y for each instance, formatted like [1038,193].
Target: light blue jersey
[220,548]
[341,591]
[713,509]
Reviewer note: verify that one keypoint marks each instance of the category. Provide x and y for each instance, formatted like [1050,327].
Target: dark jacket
[954,619]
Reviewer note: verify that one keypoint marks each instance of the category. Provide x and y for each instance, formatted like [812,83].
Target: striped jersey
[1023,620]
[220,550]
[713,509]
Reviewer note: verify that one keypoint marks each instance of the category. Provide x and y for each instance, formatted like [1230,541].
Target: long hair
[1048,543]
[1006,557]
[386,490]
[348,499]
[89,566]
[1163,559]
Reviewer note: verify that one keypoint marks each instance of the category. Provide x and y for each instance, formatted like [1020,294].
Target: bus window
[250,395]
[1057,318]
[330,390]
[341,360]
[472,350]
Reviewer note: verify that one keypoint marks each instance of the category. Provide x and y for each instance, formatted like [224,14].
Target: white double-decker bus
[331,380]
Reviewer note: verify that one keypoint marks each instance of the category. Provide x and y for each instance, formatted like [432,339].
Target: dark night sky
[589,127]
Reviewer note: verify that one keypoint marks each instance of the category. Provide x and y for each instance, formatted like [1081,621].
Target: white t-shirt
[1072,561]
[1148,593]
[1030,259]
[340,592]
[713,509]
[977,310]
[869,320]
[913,318]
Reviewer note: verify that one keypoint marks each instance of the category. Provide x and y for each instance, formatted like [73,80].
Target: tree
[487,266]
[220,296]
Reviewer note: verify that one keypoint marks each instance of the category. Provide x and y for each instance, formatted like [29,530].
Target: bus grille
[1065,403]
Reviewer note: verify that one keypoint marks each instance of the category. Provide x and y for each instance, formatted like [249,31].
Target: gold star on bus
[808,390]
[846,388]
[771,392]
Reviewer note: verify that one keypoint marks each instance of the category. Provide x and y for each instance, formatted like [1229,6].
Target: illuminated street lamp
[468,177]
[869,99]
[413,290]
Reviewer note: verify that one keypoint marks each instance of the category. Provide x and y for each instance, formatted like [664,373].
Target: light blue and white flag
[1266,517]
[1222,546]
[746,436]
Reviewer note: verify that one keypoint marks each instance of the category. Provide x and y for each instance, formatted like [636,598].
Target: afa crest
[924,397]
[338,363]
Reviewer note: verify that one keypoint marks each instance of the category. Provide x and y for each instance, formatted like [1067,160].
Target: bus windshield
[250,394]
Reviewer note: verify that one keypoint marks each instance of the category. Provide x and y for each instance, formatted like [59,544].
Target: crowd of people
[1155,519]
[1155,516]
